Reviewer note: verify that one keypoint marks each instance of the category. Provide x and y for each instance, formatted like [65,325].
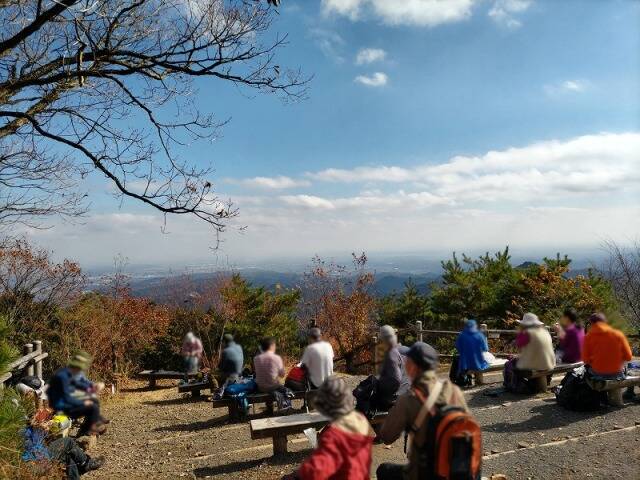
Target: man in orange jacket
[605,349]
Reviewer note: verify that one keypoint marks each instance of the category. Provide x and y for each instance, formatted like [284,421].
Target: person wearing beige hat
[535,352]
[62,394]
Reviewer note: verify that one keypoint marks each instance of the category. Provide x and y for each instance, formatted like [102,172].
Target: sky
[430,126]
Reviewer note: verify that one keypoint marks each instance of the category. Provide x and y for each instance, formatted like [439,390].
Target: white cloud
[426,13]
[270,183]
[377,79]
[582,165]
[370,55]
[567,87]
[503,12]
[329,42]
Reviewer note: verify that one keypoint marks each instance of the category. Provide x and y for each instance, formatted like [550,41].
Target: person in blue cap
[471,345]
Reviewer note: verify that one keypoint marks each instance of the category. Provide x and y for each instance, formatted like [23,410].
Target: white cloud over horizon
[574,192]
[376,79]
[567,87]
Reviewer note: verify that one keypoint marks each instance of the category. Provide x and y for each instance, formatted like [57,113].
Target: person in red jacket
[344,446]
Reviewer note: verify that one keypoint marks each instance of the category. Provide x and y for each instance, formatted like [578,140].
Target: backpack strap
[427,406]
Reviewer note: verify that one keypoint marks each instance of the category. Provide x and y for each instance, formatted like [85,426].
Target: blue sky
[429,126]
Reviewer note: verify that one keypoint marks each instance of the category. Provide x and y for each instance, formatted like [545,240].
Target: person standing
[191,352]
[317,359]
[570,337]
[421,363]
[232,360]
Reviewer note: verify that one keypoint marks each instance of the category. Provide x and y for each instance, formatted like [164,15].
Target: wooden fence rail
[29,364]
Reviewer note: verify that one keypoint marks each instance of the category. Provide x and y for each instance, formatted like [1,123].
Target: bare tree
[622,269]
[108,87]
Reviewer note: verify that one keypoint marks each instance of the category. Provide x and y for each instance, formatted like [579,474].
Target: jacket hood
[599,327]
[355,431]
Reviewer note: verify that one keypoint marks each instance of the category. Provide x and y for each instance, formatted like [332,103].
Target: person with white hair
[191,352]
[535,352]
[391,371]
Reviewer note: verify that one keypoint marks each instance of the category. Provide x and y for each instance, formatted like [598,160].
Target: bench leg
[152,382]
[479,377]
[195,393]
[614,397]
[539,384]
[279,445]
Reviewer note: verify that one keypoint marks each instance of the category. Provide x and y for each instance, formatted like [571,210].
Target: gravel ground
[162,435]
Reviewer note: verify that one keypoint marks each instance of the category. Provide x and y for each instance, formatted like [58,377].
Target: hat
[228,338]
[597,317]
[404,350]
[423,355]
[81,360]
[333,398]
[530,320]
[386,332]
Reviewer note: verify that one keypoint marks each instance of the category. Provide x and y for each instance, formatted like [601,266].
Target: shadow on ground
[247,465]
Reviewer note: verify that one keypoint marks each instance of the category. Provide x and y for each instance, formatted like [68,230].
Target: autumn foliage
[340,302]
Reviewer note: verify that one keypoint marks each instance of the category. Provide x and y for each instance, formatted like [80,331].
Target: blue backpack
[239,391]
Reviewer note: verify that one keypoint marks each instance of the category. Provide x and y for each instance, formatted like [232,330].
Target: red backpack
[452,447]
[297,374]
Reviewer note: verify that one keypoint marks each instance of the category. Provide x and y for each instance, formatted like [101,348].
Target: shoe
[94,463]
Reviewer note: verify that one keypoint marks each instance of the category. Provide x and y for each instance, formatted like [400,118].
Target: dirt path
[161,435]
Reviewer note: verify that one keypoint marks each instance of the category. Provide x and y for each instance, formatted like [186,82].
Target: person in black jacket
[391,371]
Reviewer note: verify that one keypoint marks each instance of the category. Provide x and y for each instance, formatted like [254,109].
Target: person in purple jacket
[570,337]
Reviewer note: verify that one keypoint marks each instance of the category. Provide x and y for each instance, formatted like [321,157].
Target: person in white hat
[535,350]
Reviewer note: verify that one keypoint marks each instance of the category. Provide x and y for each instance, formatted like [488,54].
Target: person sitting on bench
[63,396]
[344,446]
[606,351]
[535,352]
[471,345]
[570,336]
[269,370]
[390,378]
[317,359]
[232,360]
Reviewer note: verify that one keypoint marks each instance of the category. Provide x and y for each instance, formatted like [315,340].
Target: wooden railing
[29,364]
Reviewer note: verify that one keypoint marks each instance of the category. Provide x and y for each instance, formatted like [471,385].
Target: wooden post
[37,347]
[26,350]
[419,330]
[483,329]
[375,354]
[279,444]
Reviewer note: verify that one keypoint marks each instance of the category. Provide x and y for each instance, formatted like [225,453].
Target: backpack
[364,394]
[297,374]
[452,447]
[574,392]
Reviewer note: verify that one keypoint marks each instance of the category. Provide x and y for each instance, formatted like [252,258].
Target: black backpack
[574,393]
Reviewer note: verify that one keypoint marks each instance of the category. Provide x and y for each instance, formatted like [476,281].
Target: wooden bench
[194,387]
[495,366]
[255,398]
[154,375]
[539,377]
[614,388]
[278,428]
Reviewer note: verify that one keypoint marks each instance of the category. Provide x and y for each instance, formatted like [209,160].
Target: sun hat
[81,360]
[387,331]
[530,320]
[334,399]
